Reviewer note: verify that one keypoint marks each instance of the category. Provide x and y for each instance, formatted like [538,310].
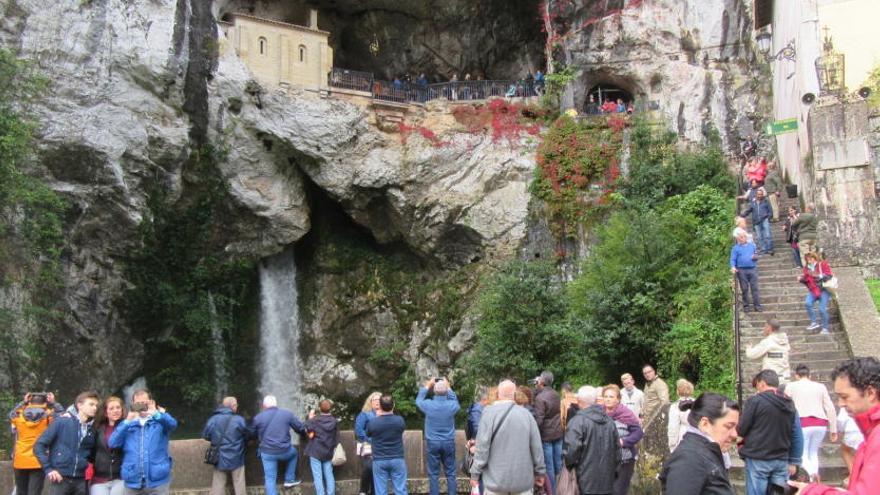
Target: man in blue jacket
[272,427]
[439,431]
[227,431]
[143,438]
[743,264]
[65,448]
[761,212]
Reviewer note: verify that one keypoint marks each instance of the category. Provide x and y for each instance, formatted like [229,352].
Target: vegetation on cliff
[655,287]
[175,271]
[30,233]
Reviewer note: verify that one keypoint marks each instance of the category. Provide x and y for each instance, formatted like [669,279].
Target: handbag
[339,457]
[212,453]
[567,483]
[466,462]
[364,449]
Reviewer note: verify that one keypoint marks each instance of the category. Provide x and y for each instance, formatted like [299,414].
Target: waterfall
[138,384]
[279,331]
[218,348]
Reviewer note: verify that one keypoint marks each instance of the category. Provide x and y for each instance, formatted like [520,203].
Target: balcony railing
[406,92]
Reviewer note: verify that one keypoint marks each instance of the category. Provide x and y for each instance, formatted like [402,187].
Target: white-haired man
[272,428]
[591,445]
[509,455]
[439,431]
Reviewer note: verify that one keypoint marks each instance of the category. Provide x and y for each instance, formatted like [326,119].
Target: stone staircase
[783,297]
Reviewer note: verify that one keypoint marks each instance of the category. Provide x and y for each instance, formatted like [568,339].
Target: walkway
[783,297]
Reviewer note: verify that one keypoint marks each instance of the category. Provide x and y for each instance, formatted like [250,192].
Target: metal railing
[737,303]
[407,92]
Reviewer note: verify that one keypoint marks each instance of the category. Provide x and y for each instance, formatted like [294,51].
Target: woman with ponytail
[700,462]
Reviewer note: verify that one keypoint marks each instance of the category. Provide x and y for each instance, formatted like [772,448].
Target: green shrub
[524,328]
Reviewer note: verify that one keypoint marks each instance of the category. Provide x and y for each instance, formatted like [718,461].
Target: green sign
[782,126]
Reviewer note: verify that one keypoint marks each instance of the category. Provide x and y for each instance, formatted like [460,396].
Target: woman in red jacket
[857,385]
[816,274]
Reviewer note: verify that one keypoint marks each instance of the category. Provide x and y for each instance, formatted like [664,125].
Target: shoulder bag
[212,453]
[468,459]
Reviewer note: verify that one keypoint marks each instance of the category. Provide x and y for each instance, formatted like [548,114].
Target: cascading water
[218,348]
[279,331]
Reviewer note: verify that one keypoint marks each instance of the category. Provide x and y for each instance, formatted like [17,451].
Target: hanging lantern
[374,46]
[830,69]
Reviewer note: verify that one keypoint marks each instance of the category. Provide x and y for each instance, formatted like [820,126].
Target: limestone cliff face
[136,86]
[139,85]
[692,62]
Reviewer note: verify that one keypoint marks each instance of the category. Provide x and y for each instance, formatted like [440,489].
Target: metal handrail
[737,330]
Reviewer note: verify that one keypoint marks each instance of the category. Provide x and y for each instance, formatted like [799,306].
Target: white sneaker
[824,332]
[292,484]
[813,326]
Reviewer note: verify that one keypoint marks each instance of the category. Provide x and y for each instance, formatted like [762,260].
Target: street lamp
[765,42]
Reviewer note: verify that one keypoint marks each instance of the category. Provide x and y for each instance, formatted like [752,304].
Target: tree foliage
[524,327]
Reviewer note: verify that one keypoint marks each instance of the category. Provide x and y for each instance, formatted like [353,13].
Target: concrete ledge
[858,314]
[192,476]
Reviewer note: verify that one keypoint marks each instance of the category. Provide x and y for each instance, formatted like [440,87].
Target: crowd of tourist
[467,87]
[520,439]
[788,419]
[607,106]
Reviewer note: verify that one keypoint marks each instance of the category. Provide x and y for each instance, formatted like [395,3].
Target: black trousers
[29,481]
[366,475]
[69,486]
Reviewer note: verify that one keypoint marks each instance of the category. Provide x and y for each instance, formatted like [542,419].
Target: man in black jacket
[67,446]
[549,419]
[591,445]
[772,438]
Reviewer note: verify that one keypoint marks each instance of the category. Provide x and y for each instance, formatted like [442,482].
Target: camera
[38,398]
[439,379]
[139,407]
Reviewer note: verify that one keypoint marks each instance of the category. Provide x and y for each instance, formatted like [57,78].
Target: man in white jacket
[773,351]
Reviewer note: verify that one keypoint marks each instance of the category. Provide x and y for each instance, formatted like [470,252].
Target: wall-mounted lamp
[765,42]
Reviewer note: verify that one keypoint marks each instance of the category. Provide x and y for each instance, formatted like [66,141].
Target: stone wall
[192,475]
[843,185]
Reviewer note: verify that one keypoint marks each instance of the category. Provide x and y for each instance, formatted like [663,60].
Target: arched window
[264,45]
[302,53]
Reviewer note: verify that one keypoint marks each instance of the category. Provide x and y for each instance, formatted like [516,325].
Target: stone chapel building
[279,53]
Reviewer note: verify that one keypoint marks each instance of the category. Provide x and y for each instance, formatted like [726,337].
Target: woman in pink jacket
[757,170]
[857,385]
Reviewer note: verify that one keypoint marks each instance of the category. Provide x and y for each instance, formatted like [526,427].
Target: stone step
[820,344]
[821,368]
[793,323]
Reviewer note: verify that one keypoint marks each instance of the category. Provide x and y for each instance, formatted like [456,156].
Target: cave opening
[601,93]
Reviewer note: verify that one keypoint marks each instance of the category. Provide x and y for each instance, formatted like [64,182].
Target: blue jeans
[759,474]
[441,452]
[796,253]
[270,468]
[748,282]
[823,306]
[385,469]
[322,474]
[765,238]
[553,461]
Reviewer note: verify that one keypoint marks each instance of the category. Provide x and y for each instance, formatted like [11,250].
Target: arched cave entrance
[602,92]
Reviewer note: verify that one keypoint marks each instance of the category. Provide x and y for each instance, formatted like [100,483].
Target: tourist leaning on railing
[364,443]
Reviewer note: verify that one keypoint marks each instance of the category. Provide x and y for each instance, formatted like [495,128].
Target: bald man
[227,431]
[508,435]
